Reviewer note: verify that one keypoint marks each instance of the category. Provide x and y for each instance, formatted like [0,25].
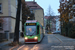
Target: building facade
[8,10]
[50,20]
[37,10]
[57,24]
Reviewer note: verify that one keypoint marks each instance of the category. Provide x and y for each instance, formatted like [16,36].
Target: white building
[57,24]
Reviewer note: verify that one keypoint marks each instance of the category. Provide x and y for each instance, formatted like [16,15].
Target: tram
[33,31]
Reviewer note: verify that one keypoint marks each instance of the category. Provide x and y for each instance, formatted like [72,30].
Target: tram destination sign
[30,24]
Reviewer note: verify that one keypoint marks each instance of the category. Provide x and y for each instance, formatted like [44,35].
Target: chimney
[33,0]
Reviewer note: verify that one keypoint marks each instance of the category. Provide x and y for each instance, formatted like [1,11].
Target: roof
[33,5]
[47,17]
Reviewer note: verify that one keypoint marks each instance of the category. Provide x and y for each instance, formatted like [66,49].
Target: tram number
[31,24]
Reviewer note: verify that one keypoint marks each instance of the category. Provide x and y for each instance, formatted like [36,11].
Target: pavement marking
[58,39]
[49,41]
[34,47]
[20,47]
[13,47]
[69,39]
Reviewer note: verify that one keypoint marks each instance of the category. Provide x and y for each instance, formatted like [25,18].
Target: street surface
[49,42]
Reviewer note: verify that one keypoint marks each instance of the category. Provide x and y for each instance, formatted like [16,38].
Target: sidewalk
[11,40]
[63,38]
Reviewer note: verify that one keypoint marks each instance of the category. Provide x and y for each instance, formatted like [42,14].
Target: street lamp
[28,17]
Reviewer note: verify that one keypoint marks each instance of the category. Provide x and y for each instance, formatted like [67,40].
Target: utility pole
[16,34]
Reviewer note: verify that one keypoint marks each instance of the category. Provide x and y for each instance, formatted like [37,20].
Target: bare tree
[50,13]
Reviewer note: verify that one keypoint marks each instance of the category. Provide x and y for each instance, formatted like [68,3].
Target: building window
[0,25]
[0,8]
[31,11]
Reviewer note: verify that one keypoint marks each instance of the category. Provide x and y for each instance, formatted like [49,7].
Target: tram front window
[30,30]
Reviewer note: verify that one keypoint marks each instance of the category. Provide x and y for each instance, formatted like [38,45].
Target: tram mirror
[38,29]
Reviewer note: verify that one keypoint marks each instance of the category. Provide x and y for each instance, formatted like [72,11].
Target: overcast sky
[45,5]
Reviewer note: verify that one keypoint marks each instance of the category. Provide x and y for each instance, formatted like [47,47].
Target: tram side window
[37,29]
[42,30]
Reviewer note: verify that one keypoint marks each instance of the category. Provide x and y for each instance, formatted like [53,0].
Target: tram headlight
[35,38]
[26,38]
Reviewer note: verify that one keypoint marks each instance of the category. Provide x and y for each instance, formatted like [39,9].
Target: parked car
[47,31]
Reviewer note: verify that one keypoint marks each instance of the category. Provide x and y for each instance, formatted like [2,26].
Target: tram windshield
[30,30]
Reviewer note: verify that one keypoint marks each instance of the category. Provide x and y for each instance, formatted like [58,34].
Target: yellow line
[20,47]
[34,47]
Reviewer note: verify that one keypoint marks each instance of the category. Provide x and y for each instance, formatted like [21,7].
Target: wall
[9,16]
[13,14]
[4,8]
[13,8]
[57,24]
[45,22]
[12,25]
[38,13]
[6,25]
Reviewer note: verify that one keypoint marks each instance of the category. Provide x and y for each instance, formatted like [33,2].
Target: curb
[58,39]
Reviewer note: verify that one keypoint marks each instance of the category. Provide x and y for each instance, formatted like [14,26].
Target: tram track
[58,38]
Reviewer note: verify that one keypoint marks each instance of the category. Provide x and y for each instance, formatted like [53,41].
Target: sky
[54,4]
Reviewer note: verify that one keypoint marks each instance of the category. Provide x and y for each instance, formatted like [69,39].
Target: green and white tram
[33,31]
